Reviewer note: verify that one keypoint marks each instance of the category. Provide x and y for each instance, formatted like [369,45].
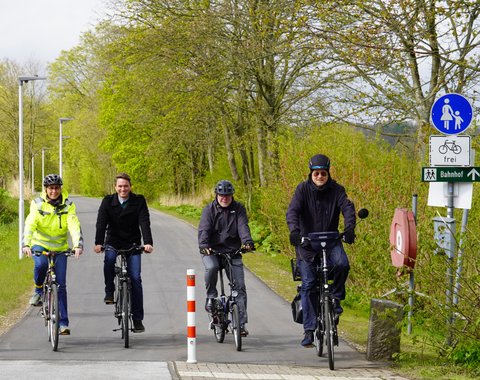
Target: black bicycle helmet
[319,161]
[52,179]
[224,187]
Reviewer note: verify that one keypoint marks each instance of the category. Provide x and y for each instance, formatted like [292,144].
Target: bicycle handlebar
[68,252]
[133,249]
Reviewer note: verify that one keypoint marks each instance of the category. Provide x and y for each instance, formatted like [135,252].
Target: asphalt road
[274,338]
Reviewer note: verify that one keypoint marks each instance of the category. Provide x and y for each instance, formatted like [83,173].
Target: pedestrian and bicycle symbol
[451,114]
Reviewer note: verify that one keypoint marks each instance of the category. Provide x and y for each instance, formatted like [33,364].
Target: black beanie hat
[319,161]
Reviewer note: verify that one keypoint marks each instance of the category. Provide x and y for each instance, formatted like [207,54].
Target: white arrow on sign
[473,173]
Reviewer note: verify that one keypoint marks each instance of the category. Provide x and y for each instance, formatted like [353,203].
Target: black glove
[205,251]
[295,238]
[349,236]
[248,247]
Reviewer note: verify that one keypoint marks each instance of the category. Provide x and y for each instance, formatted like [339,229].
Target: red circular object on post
[403,239]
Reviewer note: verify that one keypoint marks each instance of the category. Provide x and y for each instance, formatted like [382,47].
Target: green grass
[15,275]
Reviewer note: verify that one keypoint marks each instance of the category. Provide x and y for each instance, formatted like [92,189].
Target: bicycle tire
[319,333]
[54,317]
[328,318]
[125,315]
[45,308]
[237,336]
[442,149]
[457,149]
[219,328]
[118,302]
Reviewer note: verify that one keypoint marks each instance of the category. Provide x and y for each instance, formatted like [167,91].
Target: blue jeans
[212,265]
[134,268]
[39,274]
[338,272]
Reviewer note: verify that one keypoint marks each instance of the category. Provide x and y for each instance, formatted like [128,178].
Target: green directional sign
[451,174]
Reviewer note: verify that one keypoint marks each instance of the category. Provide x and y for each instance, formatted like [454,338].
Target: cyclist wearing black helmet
[51,216]
[316,207]
[224,227]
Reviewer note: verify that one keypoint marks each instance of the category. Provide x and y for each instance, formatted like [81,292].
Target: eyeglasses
[320,173]
[54,187]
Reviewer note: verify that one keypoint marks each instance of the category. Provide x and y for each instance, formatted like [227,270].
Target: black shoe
[138,326]
[308,339]
[108,298]
[243,331]
[210,305]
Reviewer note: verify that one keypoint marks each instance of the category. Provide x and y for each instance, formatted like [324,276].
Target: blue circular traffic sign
[451,114]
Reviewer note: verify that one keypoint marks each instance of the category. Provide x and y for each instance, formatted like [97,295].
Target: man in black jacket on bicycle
[316,207]
[224,228]
[123,219]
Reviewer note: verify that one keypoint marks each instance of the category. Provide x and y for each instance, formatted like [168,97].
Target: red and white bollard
[191,329]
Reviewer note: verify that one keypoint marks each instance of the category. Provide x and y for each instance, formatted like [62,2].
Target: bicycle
[50,310]
[123,288]
[326,327]
[450,145]
[327,320]
[225,313]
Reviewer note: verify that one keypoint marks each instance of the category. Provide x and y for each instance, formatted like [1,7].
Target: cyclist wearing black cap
[316,207]
[224,228]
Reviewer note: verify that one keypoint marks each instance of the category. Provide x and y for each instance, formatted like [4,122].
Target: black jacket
[314,209]
[224,229]
[121,227]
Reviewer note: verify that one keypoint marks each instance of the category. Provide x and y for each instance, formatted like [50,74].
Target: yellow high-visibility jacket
[47,225]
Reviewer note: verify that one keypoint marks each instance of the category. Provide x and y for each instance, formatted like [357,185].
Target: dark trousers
[338,272]
[134,267]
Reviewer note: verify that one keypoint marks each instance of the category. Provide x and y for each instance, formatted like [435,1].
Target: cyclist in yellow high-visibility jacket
[51,217]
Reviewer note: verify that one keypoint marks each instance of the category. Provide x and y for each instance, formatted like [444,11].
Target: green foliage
[467,355]
[8,208]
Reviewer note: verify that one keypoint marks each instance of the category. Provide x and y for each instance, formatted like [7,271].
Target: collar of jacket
[115,200]
[314,187]
[64,196]
[218,206]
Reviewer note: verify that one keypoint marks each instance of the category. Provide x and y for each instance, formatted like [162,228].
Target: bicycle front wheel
[54,316]
[329,334]
[125,315]
[237,336]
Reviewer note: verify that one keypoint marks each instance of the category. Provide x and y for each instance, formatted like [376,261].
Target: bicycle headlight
[234,293]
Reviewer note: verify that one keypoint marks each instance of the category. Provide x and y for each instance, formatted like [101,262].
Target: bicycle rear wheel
[125,315]
[237,337]
[329,335]
[54,318]
[219,327]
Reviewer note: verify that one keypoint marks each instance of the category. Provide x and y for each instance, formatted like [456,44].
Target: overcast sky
[38,30]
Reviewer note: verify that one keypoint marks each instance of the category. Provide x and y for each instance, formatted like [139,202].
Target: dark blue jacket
[121,227]
[224,229]
[314,209]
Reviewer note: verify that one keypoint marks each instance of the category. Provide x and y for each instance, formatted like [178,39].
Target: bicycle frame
[50,308]
[123,288]
[227,313]
[326,327]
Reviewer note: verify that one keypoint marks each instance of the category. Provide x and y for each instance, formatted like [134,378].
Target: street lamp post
[62,119]
[43,163]
[21,211]
[33,173]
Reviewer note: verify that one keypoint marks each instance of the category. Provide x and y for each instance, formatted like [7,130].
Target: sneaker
[35,299]
[64,330]
[210,305]
[138,326]
[308,339]
[243,331]
[108,298]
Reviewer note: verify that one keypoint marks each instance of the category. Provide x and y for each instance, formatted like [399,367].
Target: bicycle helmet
[224,187]
[52,179]
[319,161]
